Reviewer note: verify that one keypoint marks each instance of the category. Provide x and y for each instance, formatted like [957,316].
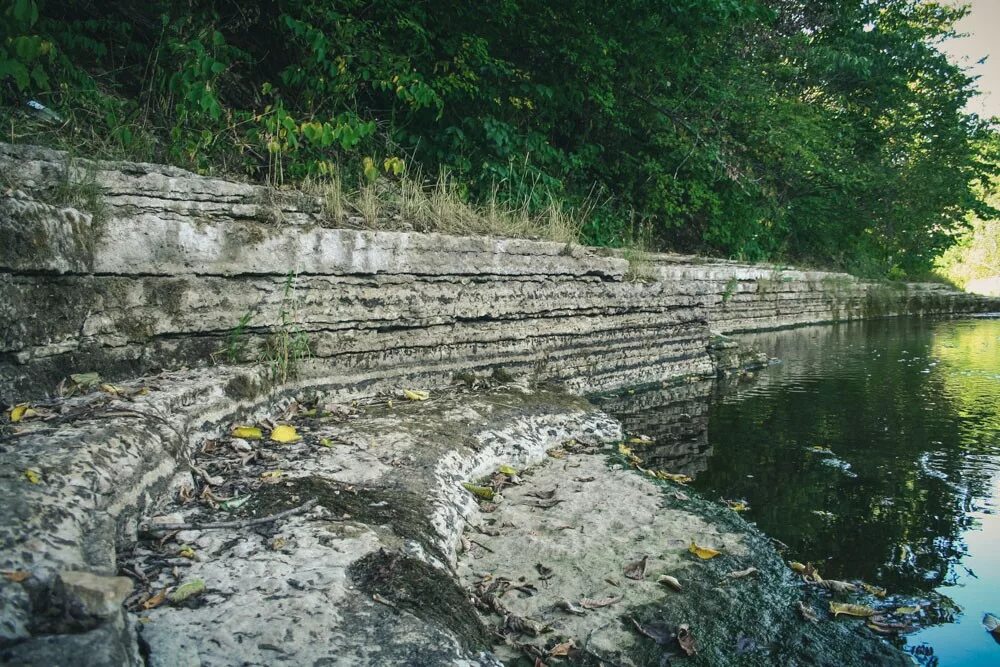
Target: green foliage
[288,345]
[829,131]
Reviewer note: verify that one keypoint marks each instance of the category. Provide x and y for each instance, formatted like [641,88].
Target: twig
[480,544]
[246,523]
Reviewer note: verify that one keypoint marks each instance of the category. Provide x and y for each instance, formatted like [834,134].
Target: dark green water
[873,451]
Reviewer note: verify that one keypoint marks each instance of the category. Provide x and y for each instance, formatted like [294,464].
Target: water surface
[873,451]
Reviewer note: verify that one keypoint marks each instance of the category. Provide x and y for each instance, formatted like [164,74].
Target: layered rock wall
[127,269]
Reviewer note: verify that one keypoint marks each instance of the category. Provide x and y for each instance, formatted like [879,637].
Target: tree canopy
[821,131]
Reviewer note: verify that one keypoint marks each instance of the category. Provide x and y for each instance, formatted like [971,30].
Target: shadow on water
[872,450]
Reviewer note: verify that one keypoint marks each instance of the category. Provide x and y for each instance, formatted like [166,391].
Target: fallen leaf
[739,574]
[278,543]
[33,475]
[17,576]
[235,503]
[641,440]
[677,477]
[557,453]
[669,581]
[271,474]
[737,505]
[114,390]
[992,624]
[19,412]
[562,649]
[838,586]
[686,639]
[875,590]
[416,395]
[523,625]
[187,552]
[906,610]
[566,605]
[187,590]
[807,612]
[797,566]
[156,600]
[588,603]
[637,569]
[326,442]
[247,433]
[284,434]
[704,553]
[508,470]
[859,610]
[85,380]
[658,632]
[484,492]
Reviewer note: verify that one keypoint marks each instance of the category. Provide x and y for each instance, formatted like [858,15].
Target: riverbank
[147,312]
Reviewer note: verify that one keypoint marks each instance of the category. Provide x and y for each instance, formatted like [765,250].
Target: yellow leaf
[187,552]
[33,476]
[673,477]
[326,442]
[484,492]
[247,433]
[875,590]
[111,389]
[17,412]
[859,610]
[703,553]
[416,395]
[738,507]
[624,449]
[284,434]
[797,566]
[507,470]
[271,474]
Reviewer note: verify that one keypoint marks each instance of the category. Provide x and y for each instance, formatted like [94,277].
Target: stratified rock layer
[155,268]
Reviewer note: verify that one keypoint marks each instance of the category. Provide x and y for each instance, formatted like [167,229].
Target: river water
[872,450]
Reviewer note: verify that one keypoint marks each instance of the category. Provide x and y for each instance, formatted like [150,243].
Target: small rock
[240,445]
[187,536]
[88,595]
[164,520]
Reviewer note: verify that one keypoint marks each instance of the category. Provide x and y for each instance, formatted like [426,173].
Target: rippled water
[872,450]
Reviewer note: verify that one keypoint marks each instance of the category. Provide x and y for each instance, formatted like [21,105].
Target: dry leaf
[557,453]
[562,649]
[247,433]
[838,586]
[807,612]
[673,477]
[737,505]
[669,581]
[508,470]
[187,552]
[859,610]
[739,574]
[906,610]
[588,603]
[797,566]
[992,624]
[33,475]
[704,553]
[17,576]
[686,639]
[637,570]
[875,590]
[416,395]
[271,474]
[658,632]
[566,605]
[284,434]
[155,600]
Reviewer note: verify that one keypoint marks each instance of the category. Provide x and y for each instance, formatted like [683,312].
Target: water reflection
[873,450]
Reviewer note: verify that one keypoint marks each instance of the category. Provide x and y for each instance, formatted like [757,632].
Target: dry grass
[413,204]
